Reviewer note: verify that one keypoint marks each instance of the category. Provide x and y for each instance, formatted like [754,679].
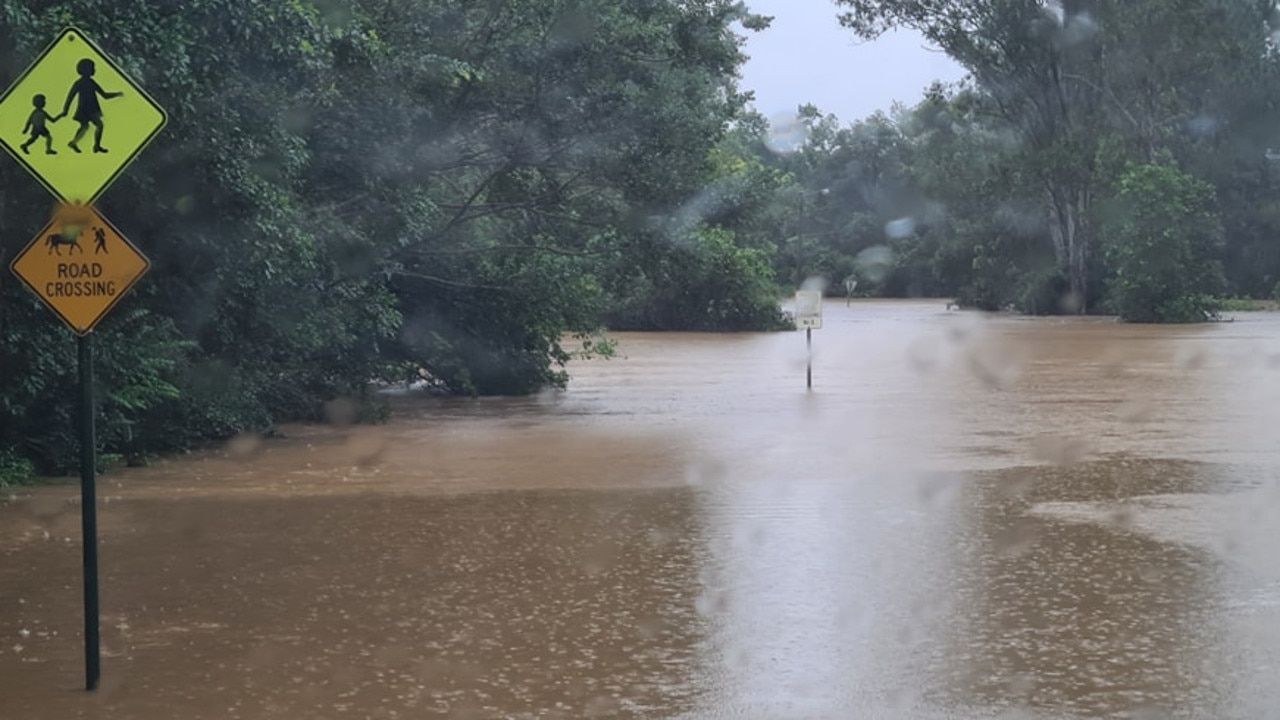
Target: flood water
[965,518]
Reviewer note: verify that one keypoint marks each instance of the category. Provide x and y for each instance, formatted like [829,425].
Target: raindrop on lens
[787,134]
[900,228]
[874,262]
[244,445]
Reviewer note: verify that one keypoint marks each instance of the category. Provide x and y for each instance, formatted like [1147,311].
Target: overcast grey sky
[805,56]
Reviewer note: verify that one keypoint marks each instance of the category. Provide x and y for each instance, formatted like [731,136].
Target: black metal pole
[808,371]
[89,515]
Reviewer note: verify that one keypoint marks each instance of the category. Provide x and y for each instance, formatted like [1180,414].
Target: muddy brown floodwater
[966,518]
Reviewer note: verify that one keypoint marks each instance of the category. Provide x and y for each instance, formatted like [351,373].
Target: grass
[1246,305]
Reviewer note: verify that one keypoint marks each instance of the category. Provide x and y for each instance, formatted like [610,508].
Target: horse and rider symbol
[85,92]
[72,241]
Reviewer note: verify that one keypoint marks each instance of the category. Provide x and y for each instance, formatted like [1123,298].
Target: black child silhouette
[85,92]
[37,126]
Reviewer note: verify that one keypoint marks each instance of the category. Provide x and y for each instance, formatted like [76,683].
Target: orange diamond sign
[80,266]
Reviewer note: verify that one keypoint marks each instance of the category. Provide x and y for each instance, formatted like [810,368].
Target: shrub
[1163,246]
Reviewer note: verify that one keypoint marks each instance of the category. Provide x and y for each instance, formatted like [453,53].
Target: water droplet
[467,709]
[1070,303]
[1022,685]
[340,411]
[600,558]
[814,283]
[703,472]
[900,228]
[937,490]
[1079,28]
[787,134]
[923,355]
[1203,125]
[46,506]
[1193,359]
[393,655]
[712,603]
[244,445]
[874,263]
[1017,714]
[1016,487]
[366,449]
[1122,516]
[1136,411]
[995,365]
[603,706]
[1017,540]
[1061,451]
[963,327]
[852,617]
[650,627]
[660,537]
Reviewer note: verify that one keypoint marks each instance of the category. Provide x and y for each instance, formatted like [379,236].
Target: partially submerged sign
[75,120]
[80,266]
[808,309]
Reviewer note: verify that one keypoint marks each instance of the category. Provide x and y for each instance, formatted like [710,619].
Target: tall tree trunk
[1068,228]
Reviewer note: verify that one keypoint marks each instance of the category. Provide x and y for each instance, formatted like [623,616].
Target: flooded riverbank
[1011,517]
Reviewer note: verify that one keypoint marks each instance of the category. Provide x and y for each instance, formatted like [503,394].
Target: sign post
[71,159]
[809,317]
[80,266]
[89,515]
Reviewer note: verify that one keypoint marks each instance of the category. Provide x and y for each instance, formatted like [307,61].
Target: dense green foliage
[14,468]
[351,192]
[1165,242]
[469,194]
[1030,185]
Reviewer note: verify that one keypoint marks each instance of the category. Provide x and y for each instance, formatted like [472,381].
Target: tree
[352,192]
[1039,65]
[1164,245]
[846,184]
[1088,86]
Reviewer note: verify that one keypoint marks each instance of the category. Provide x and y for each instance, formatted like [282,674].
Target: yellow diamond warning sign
[75,120]
[80,266]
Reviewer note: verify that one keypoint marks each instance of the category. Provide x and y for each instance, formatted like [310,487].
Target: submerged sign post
[809,317]
[75,120]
